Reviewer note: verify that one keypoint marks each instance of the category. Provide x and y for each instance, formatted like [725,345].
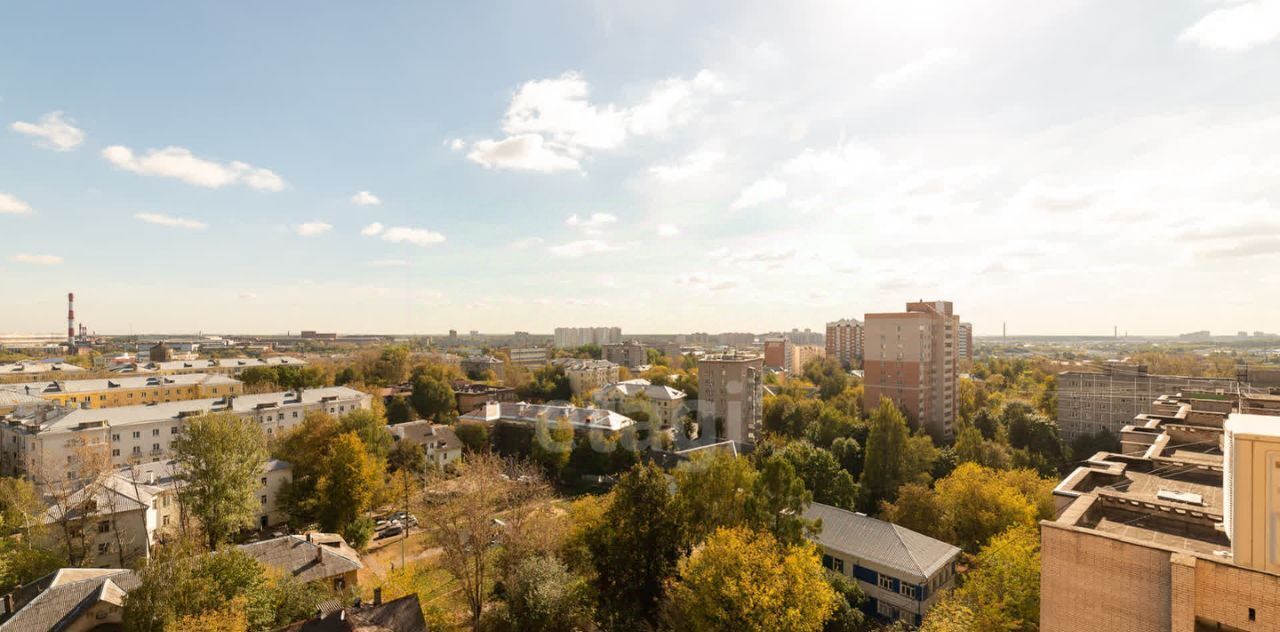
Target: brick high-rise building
[910,358]
[1177,533]
[731,396]
[777,353]
[845,341]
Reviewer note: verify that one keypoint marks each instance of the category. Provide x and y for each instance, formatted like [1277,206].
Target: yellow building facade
[129,391]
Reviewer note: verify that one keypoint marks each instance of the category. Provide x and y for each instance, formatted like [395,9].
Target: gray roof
[221,363]
[401,615]
[54,602]
[630,388]
[525,413]
[427,434]
[915,555]
[295,555]
[578,364]
[80,386]
[15,398]
[37,367]
[242,404]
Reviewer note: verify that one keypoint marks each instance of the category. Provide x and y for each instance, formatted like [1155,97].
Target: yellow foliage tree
[747,581]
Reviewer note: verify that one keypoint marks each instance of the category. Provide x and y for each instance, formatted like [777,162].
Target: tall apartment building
[845,341]
[568,337]
[1179,533]
[964,342]
[1109,397]
[731,396]
[910,358]
[44,442]
[630,354]
[129,391]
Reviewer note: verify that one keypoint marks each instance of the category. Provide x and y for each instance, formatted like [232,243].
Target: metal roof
[912,554]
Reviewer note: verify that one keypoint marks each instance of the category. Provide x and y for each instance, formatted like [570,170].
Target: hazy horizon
[718,166]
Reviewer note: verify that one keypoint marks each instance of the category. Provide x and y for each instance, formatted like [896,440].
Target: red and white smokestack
[71,319]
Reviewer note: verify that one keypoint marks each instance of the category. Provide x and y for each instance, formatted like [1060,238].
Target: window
[837,565]
[907,590]
[264,480]
[103,548]
[155,447]
[115,437]
[115,452]
[165,520]
[136,434]
[137,450]
[155,432]
[104,526]
[173,430]
[264,500]
[887,611]
[886,582]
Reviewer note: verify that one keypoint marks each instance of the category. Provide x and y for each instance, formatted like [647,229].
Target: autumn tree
[822,474]
[220,458]
[1001,593]
[474,436]
[552,445]
[433,398]
[745,580]
[641,517]
[350,482]
[372,430]
[884,469]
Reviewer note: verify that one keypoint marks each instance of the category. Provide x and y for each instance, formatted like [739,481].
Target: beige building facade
[731,397]
[910,358]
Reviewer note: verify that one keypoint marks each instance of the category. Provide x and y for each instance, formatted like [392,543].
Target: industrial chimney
[71,321]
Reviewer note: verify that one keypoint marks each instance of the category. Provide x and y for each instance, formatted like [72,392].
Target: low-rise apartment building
[477,367]
[439,443]
[472,395]
[127,512]
[902,573]
[663,404]
[47,442]
[1176,533]
[228,366]
[529,357]
[587,375]
[130,391]
[29,371]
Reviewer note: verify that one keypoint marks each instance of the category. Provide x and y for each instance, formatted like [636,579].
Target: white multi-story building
[567,337]
[129,511]
[40,443]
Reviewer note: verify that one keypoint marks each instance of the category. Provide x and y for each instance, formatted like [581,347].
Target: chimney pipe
[71,321]
[8,602]
[319,554]
[377,596]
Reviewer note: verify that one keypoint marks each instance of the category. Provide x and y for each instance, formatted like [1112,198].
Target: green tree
[1002,591]
[780,499]
[372,430]
[543,596]
[474,436]
[220,457]
[822,475]
[552,445]
[885,467]
[847,615]
[849,453]
[714,490]
[433,398]
[399,410]
[746,580]
[407,456]
[641,517]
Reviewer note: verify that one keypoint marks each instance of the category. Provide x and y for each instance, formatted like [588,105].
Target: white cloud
[707,283]
[760,192]
[668,230]
[581,248]
[415,236]
[40,260]
[372,229]
[930,60]
[167,220]
[1236,28]
[596,220]
[842,165]
[527,242]
[180,163]
[54,131]
[311,229]
[12,205]
[248,296]
[523,152]
[1041,195]
[551,123]
[694,164]
[455,144]
[389,263]
[365,198]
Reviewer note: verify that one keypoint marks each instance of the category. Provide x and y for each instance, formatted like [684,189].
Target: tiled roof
[295,555]
[913,554]
[53,602]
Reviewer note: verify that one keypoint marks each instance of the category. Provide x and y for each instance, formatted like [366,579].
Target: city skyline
[415,169]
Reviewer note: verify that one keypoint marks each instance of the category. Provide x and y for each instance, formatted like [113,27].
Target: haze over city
[1064,167]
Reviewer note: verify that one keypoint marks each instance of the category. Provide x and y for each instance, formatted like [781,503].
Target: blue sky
[731,166]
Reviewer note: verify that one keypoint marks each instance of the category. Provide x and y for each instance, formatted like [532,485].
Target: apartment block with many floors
[568,337]
[1178,532]
[731,396]
[845,339]
[964,342]
[1109,396]
[910,358]
[630,354]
